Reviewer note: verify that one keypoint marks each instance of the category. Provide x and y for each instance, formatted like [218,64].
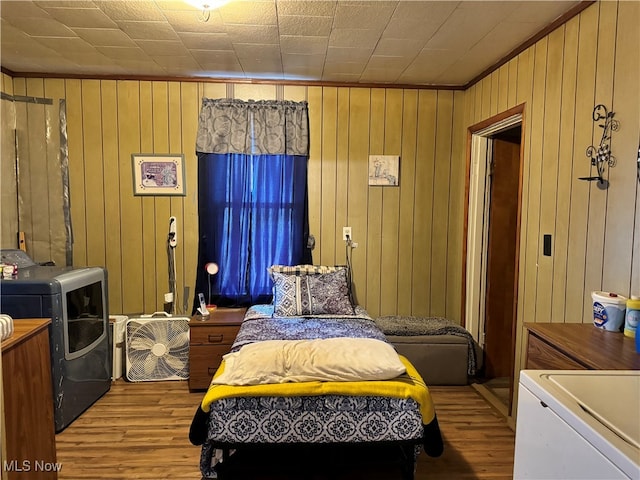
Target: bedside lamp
[211,268]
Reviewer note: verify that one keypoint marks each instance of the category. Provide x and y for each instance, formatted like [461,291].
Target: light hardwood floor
[140,431]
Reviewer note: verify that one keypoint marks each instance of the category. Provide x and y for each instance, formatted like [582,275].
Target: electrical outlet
[346,232]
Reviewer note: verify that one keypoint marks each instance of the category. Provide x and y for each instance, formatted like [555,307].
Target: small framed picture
[384,170]
[158,174]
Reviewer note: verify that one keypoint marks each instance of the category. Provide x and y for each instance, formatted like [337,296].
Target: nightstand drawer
[210,335]
[204,360]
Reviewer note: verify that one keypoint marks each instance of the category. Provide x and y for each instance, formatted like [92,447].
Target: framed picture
[384,170]
[158,174]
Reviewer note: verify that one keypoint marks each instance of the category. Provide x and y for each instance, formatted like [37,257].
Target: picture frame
[158,174]
[384,170]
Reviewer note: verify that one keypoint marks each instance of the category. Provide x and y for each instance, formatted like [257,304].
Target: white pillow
[333,359]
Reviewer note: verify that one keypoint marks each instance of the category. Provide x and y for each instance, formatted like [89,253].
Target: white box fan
[157,348]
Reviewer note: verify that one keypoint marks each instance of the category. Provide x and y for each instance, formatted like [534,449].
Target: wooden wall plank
[248,91]
[54,89]
[513,83]
[495,97]
[441,194]
[598,198]
[618,253]
[33,150]
[424,213]
[502,88]
[314,169]
[76,170]
[566,159]
[549,171]
[9,190]
[532,241]
[129,136]
[374,217]
[391,207]
[160,96]
[176,204]
[190,108]
[456,210]
[94,172]
[214,90]
[359,111]
[151,256]
[407,200]
[343,171]
[112,188]
[330,234]
[578,216]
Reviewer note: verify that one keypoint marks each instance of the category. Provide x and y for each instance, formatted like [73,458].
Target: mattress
[247,420]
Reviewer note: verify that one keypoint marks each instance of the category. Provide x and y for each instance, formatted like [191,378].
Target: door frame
[475,230]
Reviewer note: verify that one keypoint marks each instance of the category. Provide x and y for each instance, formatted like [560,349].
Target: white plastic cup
[608,310]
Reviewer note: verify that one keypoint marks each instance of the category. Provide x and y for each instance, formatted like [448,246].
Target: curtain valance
[251,127]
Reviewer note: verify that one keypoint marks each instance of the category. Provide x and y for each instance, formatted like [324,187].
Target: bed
[360,399]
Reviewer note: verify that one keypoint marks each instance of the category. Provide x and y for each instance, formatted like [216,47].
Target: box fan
[157,348]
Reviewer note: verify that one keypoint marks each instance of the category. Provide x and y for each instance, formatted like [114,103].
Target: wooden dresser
[28,405]
[211,337]
[573,346]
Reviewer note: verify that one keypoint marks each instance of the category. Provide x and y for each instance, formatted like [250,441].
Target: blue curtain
[252,214]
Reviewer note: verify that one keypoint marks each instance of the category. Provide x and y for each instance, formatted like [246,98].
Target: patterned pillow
[285,295]
[329,294]
[314,294]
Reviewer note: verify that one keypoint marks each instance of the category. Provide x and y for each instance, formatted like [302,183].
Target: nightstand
[211,337]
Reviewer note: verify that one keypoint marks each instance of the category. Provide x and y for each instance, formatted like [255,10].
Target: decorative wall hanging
[601,155]
[158,174]
[384,170]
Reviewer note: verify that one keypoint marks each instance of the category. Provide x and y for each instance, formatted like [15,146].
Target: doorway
[491,270]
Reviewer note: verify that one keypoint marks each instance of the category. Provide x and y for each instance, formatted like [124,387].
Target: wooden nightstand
[211,337]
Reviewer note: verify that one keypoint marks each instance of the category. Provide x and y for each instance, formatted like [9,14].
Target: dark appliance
[76,301]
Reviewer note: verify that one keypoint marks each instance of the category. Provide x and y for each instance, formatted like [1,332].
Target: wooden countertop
[594,347]
[23,329]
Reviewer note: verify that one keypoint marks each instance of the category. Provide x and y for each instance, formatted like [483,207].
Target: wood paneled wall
[409,258]
[592,59]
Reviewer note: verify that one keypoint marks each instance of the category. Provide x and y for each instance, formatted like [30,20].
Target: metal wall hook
[601,155]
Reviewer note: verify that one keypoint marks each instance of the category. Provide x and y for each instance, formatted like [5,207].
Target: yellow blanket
[409,385]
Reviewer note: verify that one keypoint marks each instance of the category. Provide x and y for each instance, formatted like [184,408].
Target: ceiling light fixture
[205,7]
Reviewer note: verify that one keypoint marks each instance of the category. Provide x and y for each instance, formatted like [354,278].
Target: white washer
[574,424]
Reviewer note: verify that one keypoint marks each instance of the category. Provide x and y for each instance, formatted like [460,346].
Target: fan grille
[157,349]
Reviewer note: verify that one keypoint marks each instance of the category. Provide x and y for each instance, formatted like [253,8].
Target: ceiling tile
[366,15]
[253,33]
[317,8]
[105,37]
[392,63]
[134,10]
[162,47]
[308,45]
[41,27]
[148,30]
[65,45]
[20,8]
[254,51]
[379,75]
[181,61]
[206,41]
[344,54]
[351,68]
[304,25]
[249,13]
[124,53]
[354,37]
[340,77]
[82,17]
[398,47]
[290,60]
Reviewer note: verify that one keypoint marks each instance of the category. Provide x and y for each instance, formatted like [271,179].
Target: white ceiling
[389,42]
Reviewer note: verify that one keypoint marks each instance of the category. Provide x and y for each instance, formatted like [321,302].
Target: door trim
[474,255]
